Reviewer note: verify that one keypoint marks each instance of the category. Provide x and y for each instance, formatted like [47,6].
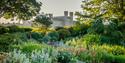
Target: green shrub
[58,28]
[29,47]
[93,55]
[64,57]
[3,29]
[14,28]
[109,58]
[108,28]
[113,49]
[37,36]
[46,38]
[97,26]
[27,29]
[92,39]
[76,42]
[63,33]
[54,35]
[6,40]
[41,56]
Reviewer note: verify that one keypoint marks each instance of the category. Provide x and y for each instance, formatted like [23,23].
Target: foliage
[64,57]
[78,29]
[37,36]
[92,56]
[54,35]
[3,30]
[76,42]
[41,56]
[91,39]
[46,38]
[13,29]
[110,58]
[101,8]
[17,57]
[42,20]
[29,47]
[6,40]
[21,9]
[44,56]
[108,31]
[112,49]
[63,33]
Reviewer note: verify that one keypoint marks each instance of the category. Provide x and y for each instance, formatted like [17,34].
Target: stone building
[61,21]
[58,21]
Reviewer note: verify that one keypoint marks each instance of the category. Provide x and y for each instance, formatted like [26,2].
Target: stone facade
[58,21]
[61,21]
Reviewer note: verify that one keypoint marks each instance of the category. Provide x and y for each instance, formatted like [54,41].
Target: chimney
[71,15]
[66,13]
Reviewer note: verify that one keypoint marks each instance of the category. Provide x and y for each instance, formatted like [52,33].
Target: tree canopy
[102,8]
[21,9]
[42,20]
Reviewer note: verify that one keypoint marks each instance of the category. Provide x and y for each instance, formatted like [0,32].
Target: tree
[21,9]
[42,20]
[102,8]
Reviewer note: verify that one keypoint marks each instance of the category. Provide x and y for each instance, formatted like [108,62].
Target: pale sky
[57,7]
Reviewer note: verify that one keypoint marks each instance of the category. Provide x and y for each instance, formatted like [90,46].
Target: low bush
[113,49]
[63,33]
[92,39]
[91,56]
[3,30]
[110,58]
[54,36]
[29,47]
[41,56]
[37,36]
[46,38]
[6,40]
[65,57]
[76,42]
[13,29]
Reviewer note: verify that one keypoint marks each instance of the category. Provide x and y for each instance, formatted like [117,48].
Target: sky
[57,7]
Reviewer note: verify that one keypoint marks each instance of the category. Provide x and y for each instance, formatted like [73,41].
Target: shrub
[29,47]
[6,40]
[64,57]
[92,55]
[92,39]
[109,58]
[14,28]
[37,36]
[3,30]
[63,33]
[114,49]
[54,35]
[17,57]
[46,38]
[27,29]
[76,42]
[41,56]
[58,28]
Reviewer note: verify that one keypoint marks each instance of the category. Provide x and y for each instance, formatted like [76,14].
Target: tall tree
[102,8]
[21,9]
